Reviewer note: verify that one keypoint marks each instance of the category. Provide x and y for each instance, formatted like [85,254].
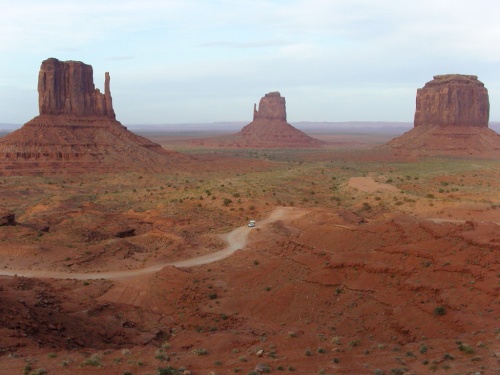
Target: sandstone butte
[76,130]
[269,128]
[451,118]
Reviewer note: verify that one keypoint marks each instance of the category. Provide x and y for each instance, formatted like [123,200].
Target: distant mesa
[76,130]
[451,118]
[268,129]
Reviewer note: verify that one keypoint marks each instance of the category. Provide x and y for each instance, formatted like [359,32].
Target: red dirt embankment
[315,293]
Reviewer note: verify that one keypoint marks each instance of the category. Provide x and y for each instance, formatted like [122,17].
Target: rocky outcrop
[76,130]
[271,107]
[451,118]
[67,88]
[7,217]
[453,100]
[268,129]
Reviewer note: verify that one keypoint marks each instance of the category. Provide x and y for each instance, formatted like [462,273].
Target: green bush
[440,310]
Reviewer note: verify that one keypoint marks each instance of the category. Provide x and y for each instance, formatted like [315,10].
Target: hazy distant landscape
[212,128]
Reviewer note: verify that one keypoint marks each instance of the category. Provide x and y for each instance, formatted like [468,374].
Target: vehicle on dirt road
[251,223]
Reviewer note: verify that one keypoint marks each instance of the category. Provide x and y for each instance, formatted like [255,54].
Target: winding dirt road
[236,240]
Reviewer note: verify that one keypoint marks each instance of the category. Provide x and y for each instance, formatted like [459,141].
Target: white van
[251,223]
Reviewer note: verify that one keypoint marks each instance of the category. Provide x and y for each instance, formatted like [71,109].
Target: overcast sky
[184,61]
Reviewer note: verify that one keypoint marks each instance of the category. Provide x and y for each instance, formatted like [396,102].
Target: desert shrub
[161,355]
[354,343]
[167,371]
[200,351]
[95,361]
[378,372]
[336,339]
[465,348]
[227,201]
[440,310]
[212,296]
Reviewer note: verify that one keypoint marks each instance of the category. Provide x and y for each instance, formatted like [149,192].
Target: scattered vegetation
[440,310]
[95,361]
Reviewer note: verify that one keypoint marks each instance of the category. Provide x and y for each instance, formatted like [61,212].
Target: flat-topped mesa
[453,100]
[271,107]
[67,88]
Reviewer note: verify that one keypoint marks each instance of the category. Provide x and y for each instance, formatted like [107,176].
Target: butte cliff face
[453,100]
[272,107]
[451,118]
[269,128]
[67,88]
[76,130]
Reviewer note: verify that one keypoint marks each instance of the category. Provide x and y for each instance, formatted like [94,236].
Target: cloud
[194,50]
[239,44]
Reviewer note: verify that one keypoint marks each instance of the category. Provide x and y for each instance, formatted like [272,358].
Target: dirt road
[236,240]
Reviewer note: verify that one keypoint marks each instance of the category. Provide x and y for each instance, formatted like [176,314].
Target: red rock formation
[271,107]
[76,130]
[67,88]
[268,129]
[453,100]
[451,118]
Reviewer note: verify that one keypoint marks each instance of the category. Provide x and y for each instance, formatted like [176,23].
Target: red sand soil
[370,287]
[315,292]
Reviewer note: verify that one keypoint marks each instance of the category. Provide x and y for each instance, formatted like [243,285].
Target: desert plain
[372,253]
[361,262]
